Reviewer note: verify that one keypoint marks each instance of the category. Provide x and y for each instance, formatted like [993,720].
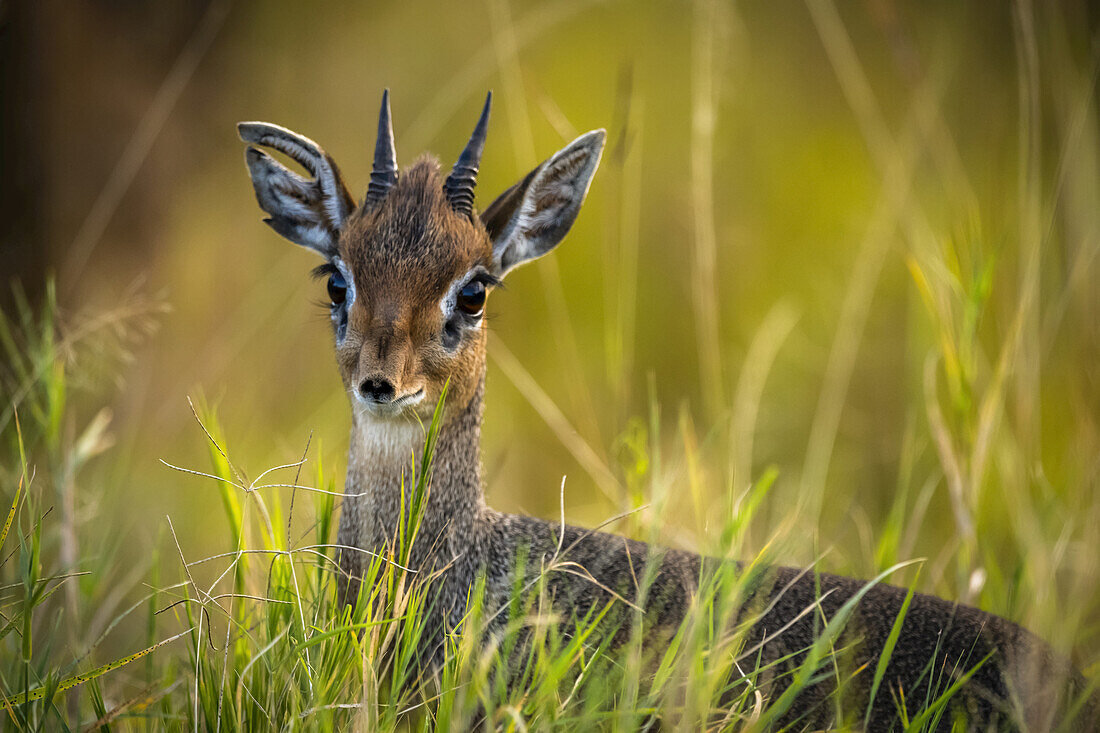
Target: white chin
[401,407]
[377,411]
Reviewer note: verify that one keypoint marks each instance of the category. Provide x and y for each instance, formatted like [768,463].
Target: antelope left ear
[531,217]
[309,212]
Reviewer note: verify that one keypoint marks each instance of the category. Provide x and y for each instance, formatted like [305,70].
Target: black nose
[377,389]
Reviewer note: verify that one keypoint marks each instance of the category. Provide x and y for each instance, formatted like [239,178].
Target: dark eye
[337,289]
[471,299]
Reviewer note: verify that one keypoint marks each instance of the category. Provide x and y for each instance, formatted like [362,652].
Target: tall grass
[261,642]
[265,645]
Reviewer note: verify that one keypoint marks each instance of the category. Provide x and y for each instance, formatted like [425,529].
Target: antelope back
[410,267]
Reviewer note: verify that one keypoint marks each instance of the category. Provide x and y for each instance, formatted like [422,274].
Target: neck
[380,461]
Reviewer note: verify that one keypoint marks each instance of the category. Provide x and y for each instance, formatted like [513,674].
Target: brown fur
[403,254]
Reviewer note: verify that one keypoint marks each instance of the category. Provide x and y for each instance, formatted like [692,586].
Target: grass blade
[66,684]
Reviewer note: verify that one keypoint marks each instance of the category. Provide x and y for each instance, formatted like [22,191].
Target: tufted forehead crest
[414,231]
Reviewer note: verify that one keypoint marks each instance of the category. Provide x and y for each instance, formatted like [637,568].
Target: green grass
[264,645]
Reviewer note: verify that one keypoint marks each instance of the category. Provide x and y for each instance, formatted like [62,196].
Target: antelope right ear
[307,212]
[531,217]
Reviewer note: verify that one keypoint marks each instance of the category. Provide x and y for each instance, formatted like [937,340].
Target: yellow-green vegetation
[833,299]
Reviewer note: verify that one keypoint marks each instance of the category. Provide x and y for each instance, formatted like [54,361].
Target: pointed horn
[384,173]
[459,186]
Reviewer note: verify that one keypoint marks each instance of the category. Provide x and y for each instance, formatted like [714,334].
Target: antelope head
[409,268]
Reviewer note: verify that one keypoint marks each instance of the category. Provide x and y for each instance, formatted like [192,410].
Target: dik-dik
[409,270]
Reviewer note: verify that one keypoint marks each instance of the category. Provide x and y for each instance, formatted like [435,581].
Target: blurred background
[851,247]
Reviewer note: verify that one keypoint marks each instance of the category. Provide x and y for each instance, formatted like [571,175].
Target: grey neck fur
[380,457]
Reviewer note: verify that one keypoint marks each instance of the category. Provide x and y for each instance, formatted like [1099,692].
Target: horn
[459,186]
[384,173]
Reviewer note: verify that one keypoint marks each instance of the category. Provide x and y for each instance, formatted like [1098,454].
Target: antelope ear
[309,212]
[531,217]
